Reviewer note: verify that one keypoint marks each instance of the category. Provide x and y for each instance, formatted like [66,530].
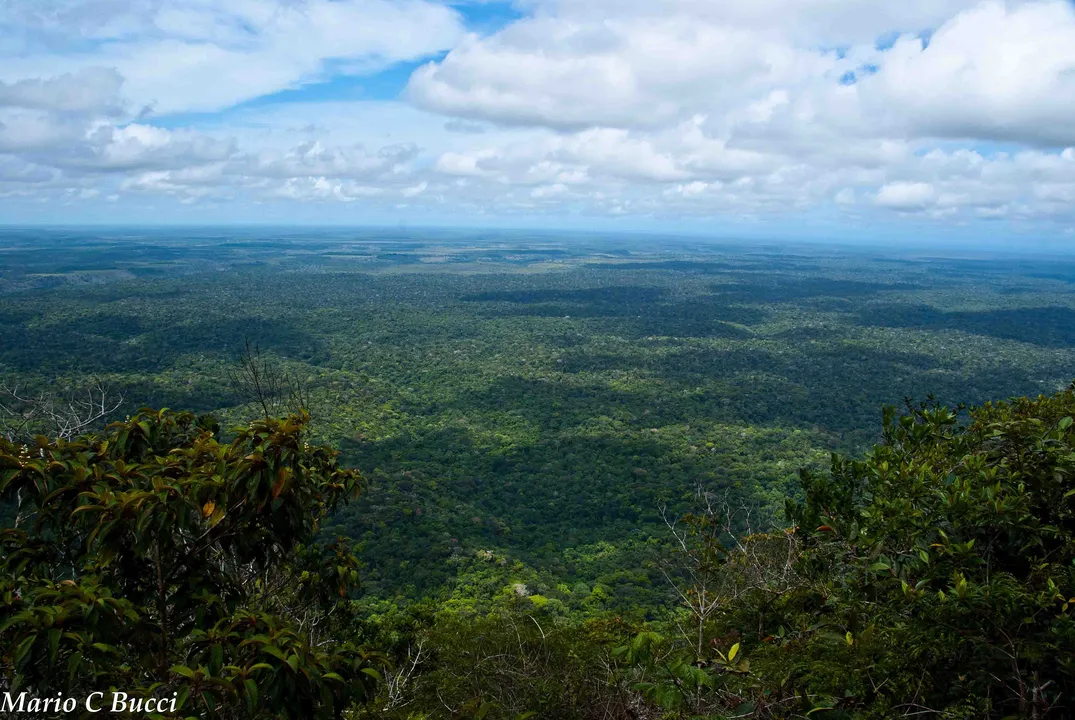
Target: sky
[915,119]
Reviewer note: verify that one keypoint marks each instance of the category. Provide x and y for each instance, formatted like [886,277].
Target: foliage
[157,560]
[64,413]
[525,409]
[936,577]
[534,396]
[946,559]
[516,657]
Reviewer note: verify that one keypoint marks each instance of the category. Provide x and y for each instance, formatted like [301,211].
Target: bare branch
[60,412]
[261,380]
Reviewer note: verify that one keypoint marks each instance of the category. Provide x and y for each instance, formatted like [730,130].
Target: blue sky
[948,119]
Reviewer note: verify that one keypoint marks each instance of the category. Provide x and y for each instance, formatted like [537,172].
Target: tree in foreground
[158,561]
[933,578]
[947,558]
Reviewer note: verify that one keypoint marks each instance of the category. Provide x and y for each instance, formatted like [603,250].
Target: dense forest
[424,475]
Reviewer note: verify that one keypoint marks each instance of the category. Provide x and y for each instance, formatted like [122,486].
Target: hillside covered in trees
[936,575]
[487,477]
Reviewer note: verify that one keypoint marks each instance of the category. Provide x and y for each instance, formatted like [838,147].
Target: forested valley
[430,474]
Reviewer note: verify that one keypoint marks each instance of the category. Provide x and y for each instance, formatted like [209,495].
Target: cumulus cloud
[949,110]
[90,91]
[312,159]
[630,72]
[205,55]
[139,147]
[741,107]
[992,72]
[823,22]
[906,195]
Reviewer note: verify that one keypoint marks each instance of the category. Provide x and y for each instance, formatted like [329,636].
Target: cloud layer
[952,112]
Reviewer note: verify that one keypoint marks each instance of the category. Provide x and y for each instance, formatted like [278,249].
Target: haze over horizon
[943,120]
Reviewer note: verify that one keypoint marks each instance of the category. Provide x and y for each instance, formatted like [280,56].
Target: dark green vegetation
[524,407]
[935,577]
[157,561]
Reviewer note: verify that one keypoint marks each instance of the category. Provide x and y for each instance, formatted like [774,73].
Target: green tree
[156,560]
[934,577]
[940,569]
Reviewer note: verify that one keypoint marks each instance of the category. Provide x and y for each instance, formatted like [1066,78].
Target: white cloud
[992,72]
[823,22]
[548,191]
[321,188]
[314,159]
[906,196]
[206,55]
[658,108]
[93,91]
[629,72]
[14,171]
[415,190]
[136,147]
[466,164]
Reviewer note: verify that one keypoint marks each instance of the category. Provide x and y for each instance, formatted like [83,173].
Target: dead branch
[63,413]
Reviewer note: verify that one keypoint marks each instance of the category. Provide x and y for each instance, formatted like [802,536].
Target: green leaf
[275,652]
[733,652]
[54,644]
[73,663]
[23,649]
[251,694]
[181,697]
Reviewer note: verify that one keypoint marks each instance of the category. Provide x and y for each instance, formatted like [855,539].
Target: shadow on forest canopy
[1045,326]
